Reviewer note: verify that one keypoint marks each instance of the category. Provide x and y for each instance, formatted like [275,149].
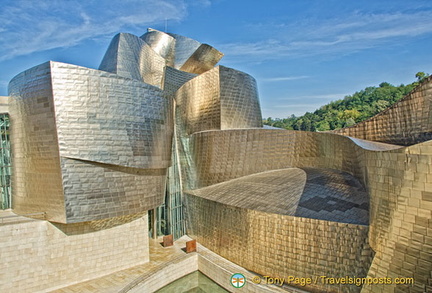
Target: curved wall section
[203,59]
[161,43]
[221,98]
[88,145]
[192,56]
[131,57]
[280,245]
[184,48]
[405,123]
[223,155]
[198,102]
[400,215]
[174,79]
[239,100]
[398,181]
[36,171]
[105,118]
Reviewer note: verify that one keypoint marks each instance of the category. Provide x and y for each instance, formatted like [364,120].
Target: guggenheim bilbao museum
[162,141]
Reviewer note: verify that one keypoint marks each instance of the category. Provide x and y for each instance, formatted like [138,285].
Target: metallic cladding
[131,57]
[397,179]
[174,79]
[239,100]
[36,171]
[221,98]
[105,118]
[184,48]
[88,144]
[407,122]
[203,59]
[161,43]
[277,245]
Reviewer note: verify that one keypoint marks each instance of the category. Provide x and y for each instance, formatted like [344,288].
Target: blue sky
[303,54]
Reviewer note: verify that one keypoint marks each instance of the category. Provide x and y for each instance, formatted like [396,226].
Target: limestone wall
[37,256]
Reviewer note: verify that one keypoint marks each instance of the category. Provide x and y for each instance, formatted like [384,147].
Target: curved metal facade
[131,57]
[97,144]
[221,98]
[407,122]
[88,144]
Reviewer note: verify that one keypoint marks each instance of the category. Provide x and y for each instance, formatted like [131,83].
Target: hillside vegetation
[352,109]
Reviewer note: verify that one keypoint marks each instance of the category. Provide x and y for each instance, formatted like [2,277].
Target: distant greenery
[349,111]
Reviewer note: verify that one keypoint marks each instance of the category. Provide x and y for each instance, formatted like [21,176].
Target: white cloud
[332,36]
[283,78]
[32,26]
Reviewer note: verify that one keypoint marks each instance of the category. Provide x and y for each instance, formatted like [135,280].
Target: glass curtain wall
[169,217]
[5,163]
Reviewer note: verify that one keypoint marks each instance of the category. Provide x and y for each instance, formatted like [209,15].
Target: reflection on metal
[160,128]
[115,123]
[161,43]
[131,57]
[221,98]
[71,122]
[203,59]
[5,163]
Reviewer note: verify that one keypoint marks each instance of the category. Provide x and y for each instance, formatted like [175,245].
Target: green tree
[421,76]
[350,110]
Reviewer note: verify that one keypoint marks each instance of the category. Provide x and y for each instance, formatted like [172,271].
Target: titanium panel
[221,98]
[131,57]
[202,60]
[224,155]
[105,118]
[161,43]
[316,193]
[281,245]
[239,100]
[184,48]
[174,79]
[95,191]
[397,179]
[36,172]
[88,144]
[407,122]
[198,102]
